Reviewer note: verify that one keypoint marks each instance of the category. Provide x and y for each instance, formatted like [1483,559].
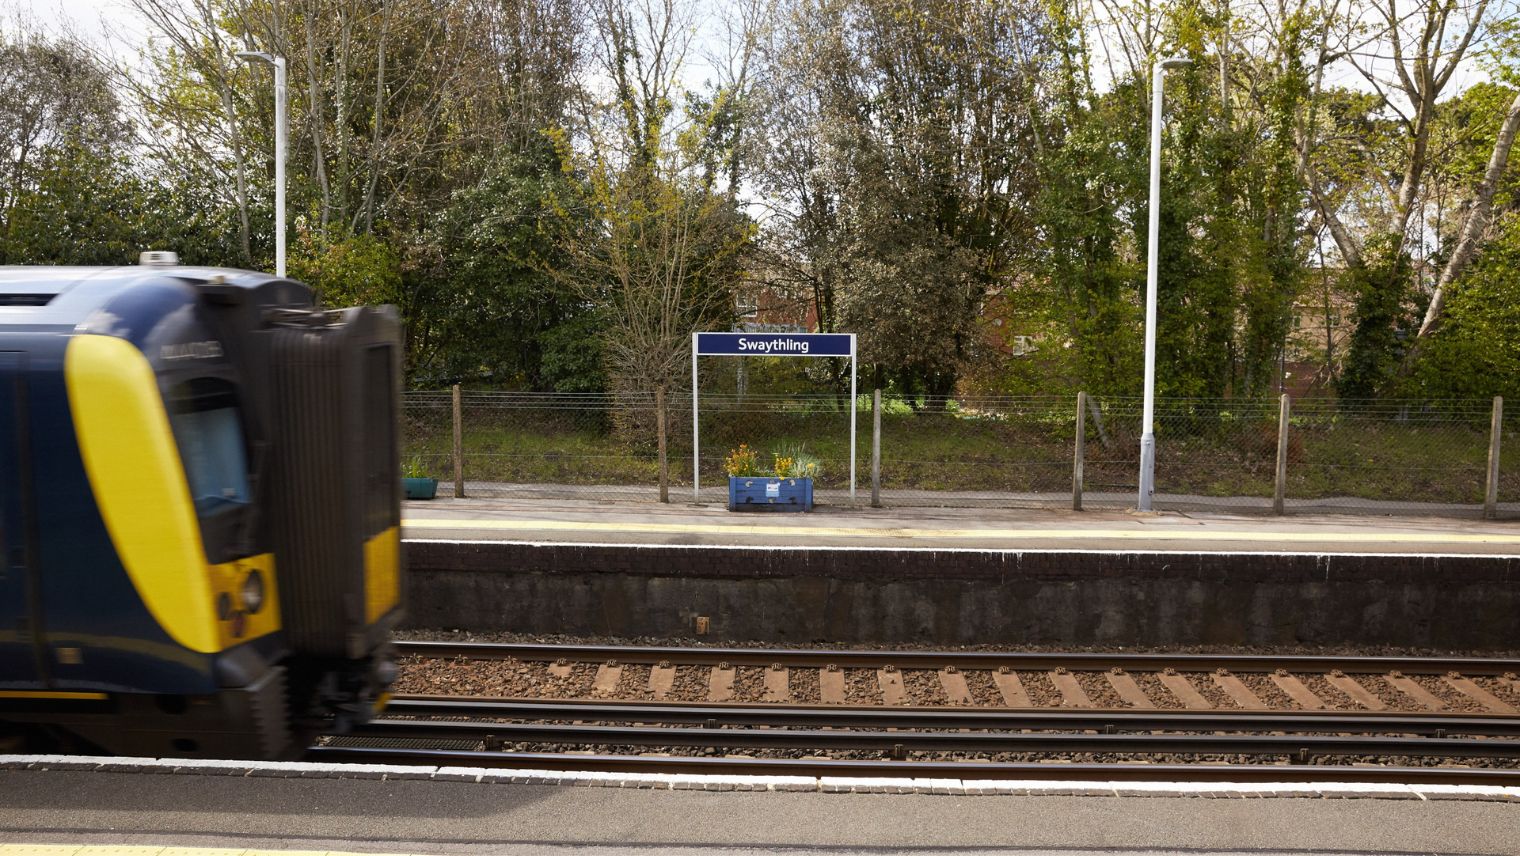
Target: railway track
[897,733]
[879,769]
[1098,716]
[1006,679]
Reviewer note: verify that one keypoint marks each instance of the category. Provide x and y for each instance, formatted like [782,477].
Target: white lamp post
[279,152]
[1147,435]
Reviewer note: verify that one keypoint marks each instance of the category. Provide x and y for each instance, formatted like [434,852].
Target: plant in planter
[415,480]
[786,486]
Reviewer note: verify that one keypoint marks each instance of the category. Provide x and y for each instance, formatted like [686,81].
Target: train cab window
[382,482]
[208,427]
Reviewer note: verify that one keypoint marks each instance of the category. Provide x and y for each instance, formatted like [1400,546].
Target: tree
[1407,54]
[645,242]
[1478,216]
[62,171]
[1231,241]
[1477,352]
[402,113]
[502,316]
[913,202]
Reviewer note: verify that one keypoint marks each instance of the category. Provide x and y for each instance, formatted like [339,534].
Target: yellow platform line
[152,850]
[52,694]
[1190,534]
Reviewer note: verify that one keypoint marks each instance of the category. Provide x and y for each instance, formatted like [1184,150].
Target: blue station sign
[775,344]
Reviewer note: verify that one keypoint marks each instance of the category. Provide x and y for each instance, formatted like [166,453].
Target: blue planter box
[760,493]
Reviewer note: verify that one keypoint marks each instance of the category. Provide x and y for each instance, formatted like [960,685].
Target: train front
[199,514]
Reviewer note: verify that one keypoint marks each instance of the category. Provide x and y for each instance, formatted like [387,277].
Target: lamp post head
[1176,62]
[264,56]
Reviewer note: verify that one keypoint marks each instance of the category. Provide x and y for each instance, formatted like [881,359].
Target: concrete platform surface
[140,814]
[607,521]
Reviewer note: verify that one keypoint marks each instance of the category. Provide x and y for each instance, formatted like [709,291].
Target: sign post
[766,345]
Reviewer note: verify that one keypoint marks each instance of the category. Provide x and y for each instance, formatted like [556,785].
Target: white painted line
[472,773]
[870,782]
[1470,790]
[705,781]
[1011,553]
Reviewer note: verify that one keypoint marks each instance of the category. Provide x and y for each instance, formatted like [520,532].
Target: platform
[126,812]
[960,576]
[677,523]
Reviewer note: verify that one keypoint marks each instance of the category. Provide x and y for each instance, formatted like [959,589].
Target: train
[199,511]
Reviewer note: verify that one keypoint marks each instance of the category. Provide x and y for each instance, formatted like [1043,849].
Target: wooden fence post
[659,428]
[1280,486]
[1079,455]
[876,449]
[458,445]
[1495,428]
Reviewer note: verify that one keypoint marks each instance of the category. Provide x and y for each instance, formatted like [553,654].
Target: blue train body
[199,554]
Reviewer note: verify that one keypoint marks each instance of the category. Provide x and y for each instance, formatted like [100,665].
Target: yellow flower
[742,462]
[783,467]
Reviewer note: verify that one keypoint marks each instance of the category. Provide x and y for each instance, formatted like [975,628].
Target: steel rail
[1021,771]
[943,741]
[714,714]
[1021,661]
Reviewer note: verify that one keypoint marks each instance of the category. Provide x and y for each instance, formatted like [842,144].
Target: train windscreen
[208,427]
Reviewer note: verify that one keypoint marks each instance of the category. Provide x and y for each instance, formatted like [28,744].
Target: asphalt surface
[608,521]
[452,817]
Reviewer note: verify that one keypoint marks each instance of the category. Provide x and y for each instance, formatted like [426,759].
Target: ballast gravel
[512,678]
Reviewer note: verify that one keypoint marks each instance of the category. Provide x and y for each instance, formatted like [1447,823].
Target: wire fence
[1387,457]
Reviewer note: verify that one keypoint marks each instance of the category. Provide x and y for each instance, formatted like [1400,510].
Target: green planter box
[420,488]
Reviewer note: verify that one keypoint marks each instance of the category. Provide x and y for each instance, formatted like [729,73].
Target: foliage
[1477,351]
[655,255]
[347,271]
[742,462]
[413,468]
[1384,320]
[551,207]
[1231,247]
[572,357]
[417,163]
[902,169]
[82,208]
[795,462]
[482,305]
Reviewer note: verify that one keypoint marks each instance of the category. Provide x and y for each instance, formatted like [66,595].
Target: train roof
[51,297]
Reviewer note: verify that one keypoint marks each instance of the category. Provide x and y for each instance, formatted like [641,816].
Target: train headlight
[252,592]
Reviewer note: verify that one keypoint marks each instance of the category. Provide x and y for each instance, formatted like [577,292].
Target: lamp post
[279,151]
[1147,433]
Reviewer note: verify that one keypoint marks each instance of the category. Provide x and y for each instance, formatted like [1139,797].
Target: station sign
[775,345]
[758,344]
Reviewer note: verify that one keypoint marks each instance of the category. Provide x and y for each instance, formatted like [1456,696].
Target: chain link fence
[542,445]
[1389,456]
[1220,455]
[976,451]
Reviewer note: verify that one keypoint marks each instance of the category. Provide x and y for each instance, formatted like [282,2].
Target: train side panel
[84,622]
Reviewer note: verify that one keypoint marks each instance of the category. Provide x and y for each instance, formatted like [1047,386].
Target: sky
[112,26]
[105,23]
